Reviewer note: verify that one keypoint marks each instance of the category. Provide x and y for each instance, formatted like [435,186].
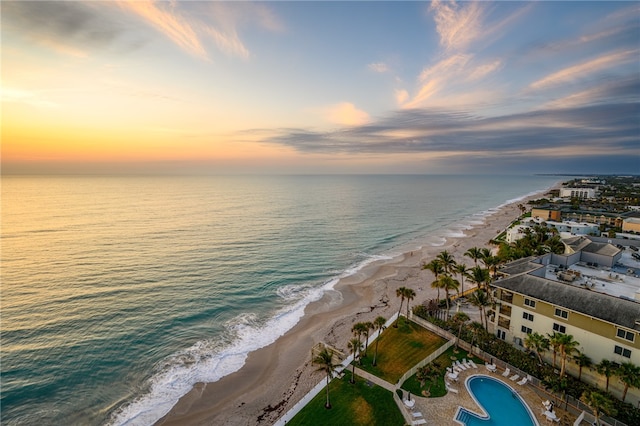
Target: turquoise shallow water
[119,293]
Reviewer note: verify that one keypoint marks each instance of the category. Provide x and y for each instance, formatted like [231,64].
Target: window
[624,334]
[561,313]
[526,330]
[530,303]
[501,334]
[622,351]
[559,328]
[527,316]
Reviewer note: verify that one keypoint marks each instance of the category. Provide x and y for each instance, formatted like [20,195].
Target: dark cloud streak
[69,23]
[611,126]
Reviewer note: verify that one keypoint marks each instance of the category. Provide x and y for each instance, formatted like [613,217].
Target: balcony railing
[504,322]
[506,297]
[505,310]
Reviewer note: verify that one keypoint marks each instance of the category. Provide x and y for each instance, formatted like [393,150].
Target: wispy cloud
[165,17]
[450,78]
[380,67]
[585,69]
[346,114]
[619,90]
[190,25]
[457,24]
[29,97]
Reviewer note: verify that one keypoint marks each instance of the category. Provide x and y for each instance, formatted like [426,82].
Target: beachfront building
[599,217]
[546,213]
[582,193]
[599,307]
[565,229]
[631,224]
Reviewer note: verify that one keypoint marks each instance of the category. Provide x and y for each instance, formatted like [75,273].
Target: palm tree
[474,253]
[378,324]
[358,330]
[447,261]
[400,292]
[607,369]
[485,254]
[599,403]
[583,361]
[629,374]
[480,276]
[325,360]
[435,266]
[448,283]
[538,343]
[555,340]
[437,285]
[492,263]
[463,271]
[477,329]
[409,294]
[367,326]
[568,346]
[460,318]
[422,374]
[480,299]
[355,346]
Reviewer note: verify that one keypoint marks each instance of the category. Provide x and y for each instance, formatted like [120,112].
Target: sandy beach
[274,378]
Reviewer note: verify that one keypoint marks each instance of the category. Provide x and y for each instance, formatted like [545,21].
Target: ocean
[120,293]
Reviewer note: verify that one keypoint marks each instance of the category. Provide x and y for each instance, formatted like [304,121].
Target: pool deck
[442,410]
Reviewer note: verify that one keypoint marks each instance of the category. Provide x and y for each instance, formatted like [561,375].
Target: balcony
[504,322]
[505,310]
[506,296]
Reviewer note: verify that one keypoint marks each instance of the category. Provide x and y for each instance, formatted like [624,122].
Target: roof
[521,266]
[604,249]
[608,308]
[577,244]
[582,243]
[632,220]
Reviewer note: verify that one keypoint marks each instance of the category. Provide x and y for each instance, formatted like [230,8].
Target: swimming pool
[501,404]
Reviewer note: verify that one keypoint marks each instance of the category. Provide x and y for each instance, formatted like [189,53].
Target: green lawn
[352,404]
[400,349]
[445,360]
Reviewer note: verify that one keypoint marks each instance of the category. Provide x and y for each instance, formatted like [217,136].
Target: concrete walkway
[376,380]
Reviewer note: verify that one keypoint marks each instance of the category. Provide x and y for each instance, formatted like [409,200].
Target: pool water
[501,404]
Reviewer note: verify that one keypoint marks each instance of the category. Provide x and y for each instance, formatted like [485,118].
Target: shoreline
[277,376]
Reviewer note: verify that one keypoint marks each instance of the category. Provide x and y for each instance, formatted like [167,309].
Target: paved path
[374,379]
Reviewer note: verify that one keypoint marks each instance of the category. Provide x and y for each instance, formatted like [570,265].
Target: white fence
[425,361]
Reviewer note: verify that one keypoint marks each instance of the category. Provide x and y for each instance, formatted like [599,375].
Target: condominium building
[578,192]
[599,307]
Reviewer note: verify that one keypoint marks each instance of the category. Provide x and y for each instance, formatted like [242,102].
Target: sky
[320,87]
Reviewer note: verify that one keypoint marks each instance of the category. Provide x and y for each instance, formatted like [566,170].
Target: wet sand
[274,378]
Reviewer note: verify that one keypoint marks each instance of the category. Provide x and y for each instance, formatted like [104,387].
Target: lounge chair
[419,422]
[491,367]
[453,376]
[416,414]
[523,381]
[460,365]
[514,377]
[506,372]
[473,364]
[449,388]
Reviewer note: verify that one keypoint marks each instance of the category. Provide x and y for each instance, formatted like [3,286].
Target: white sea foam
[209,361]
